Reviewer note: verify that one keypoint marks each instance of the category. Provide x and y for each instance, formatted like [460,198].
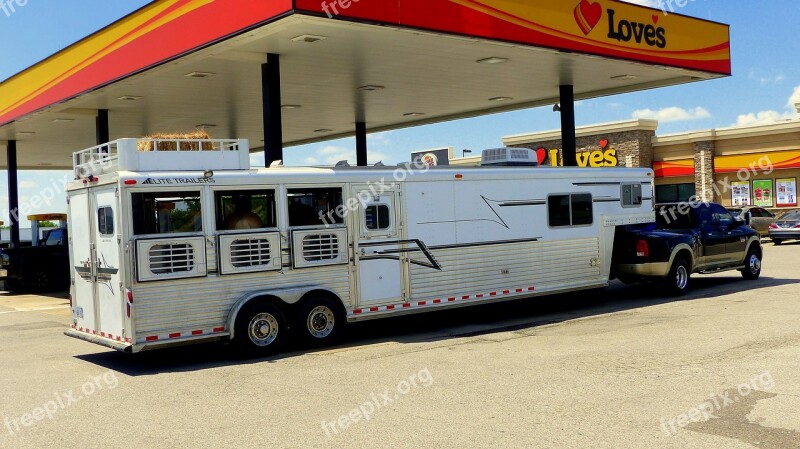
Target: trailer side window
[376,217]
[105,221]
[570,210]
[314,207]
[245,209]
[166,212]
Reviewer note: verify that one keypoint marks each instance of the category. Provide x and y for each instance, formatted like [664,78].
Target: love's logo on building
[588,15]
[604,157]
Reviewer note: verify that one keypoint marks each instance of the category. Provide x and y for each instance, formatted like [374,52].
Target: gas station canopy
[175,65]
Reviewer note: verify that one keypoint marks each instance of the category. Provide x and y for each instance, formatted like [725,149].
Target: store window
[166,212]
[675,193]
[245,209]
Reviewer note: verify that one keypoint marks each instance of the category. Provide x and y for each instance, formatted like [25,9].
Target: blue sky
[766,68]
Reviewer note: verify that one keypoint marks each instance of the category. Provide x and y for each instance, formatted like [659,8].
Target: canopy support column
[13,192]
[271,92]
[361,144]
[101,122]
[568,140]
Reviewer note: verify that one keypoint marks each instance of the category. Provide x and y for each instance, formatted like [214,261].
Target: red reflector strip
[389,307]
[530,289]
[219,329]
[151,338]
[519,290]
[465,297]
[373,309]
[505,292]
[421,303]
[357,311]
[197,332]
[175,335]
[479,296]
[493,294]
[451,299]
[406,305]
[437,301]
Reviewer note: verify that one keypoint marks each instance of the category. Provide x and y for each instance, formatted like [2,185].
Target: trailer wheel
[319,321]
[679,277]
[260,329]
[752,264]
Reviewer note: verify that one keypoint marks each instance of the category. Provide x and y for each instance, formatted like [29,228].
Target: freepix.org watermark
[716,402]
[364,412]
[335,7]
[671,5]
[9,7]
[61,401]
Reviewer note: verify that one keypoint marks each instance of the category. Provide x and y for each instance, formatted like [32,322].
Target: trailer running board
[116,345]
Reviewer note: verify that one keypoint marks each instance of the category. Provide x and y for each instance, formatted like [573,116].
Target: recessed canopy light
[206,125]
[25,133]
[199,74]
[371,88]
[501,99]
[624,77]
[45,164]
[130,97]
[492,60]
[413,114]
[291,106]
[308,38]
[323,130]
[63,120]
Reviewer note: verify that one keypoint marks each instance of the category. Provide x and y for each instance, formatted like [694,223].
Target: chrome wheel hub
[263,329]
[321,321]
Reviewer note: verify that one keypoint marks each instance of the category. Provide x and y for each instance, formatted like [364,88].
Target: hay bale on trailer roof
[188,141]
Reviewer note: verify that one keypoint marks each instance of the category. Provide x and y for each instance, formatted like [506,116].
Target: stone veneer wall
[635,146]
[704,170]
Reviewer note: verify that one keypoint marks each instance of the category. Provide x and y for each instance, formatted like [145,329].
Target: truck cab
[44,264]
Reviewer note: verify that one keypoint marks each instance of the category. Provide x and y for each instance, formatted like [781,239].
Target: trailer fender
[286,296]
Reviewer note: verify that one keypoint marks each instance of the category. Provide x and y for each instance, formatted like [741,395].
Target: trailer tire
[319,321]
[679,277]
[260,330]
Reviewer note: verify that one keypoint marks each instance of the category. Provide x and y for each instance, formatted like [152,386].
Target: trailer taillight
[642,249]
[70,300]
[130,297]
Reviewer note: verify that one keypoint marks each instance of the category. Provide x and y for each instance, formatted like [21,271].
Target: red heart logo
[604,143]
[655,19]
[541,155]
[588,15]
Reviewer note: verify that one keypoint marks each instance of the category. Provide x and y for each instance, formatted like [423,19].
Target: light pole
[464,152]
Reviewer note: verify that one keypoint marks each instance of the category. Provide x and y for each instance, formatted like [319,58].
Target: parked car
[38,268]
[787,227]
[760,218]
[702,238]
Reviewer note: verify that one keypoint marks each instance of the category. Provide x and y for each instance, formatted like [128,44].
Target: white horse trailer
[173,247]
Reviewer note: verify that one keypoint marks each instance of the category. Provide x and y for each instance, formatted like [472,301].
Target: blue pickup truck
[687,238]
[39,268]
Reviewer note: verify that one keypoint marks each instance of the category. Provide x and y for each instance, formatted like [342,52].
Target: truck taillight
[642,249]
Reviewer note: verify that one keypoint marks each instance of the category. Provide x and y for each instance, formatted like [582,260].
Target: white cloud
[764,80]
[650,3]
[672,114]
[331,154]
[794,99]
[28,185]
[767,117]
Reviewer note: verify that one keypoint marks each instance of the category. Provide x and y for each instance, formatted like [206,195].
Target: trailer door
[81,244]
[97,296]
[378,252]
[108,284]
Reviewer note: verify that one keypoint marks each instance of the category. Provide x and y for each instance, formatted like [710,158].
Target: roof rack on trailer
[162,155]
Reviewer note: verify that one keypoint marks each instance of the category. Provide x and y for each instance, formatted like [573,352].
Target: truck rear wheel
[260,329]
[319,321]
[679,277]
[752,264]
